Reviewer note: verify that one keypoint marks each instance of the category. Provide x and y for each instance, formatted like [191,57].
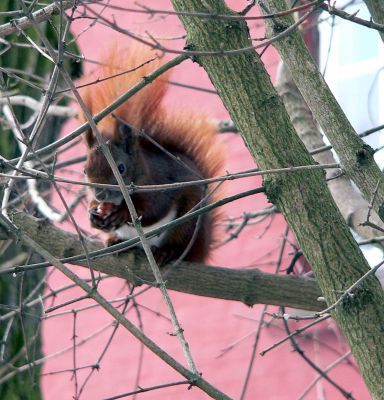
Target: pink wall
[210,325]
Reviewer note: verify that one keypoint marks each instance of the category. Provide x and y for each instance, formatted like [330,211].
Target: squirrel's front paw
[112,239]
[97,221]
[103,216]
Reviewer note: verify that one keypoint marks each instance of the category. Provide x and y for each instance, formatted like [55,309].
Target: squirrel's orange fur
[187,135]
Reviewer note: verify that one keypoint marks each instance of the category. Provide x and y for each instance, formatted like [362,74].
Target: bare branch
[41,15]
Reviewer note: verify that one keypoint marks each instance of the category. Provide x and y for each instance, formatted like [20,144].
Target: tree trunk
[355,156]
[376,8]
[257,110]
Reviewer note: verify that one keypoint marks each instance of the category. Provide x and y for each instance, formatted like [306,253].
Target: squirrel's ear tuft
[124,130]
[126,136]
[89,138]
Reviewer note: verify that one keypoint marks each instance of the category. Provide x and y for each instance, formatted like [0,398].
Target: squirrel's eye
[121,168]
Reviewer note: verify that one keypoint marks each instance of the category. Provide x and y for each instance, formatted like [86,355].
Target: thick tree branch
[250,286]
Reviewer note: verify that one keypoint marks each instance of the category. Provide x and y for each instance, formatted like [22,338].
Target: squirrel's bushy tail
[120,70]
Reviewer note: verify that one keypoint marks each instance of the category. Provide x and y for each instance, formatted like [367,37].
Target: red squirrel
[155,146]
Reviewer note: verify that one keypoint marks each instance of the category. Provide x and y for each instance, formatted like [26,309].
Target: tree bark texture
[355,156]
[304,199]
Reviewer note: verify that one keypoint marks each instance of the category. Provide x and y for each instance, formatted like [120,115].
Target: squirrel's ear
[89,138]
[126,136]
[124,130]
